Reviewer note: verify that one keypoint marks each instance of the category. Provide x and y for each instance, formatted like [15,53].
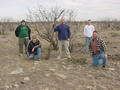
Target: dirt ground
[20,73]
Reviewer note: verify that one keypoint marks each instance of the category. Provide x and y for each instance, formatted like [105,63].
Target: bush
[78,60]
[114,34]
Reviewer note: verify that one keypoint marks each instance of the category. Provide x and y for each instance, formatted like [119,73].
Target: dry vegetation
[19,73]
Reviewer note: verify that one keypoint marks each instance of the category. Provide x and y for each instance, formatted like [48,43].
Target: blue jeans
[37,52]
[99,59]
[88,39]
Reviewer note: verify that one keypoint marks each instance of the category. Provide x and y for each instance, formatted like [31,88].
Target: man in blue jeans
[97,48]
[88,32]
[34,47]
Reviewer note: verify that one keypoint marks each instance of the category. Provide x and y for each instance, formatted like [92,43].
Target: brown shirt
[94,46]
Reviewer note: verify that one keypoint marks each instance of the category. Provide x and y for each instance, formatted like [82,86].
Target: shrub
[78,60]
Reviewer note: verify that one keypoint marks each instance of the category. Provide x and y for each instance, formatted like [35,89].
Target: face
[34,40]
[89,22]
[23,23]
[95,35]
[62,21]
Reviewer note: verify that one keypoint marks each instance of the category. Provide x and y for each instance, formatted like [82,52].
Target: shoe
[58,57]
[69,57]
[103,66]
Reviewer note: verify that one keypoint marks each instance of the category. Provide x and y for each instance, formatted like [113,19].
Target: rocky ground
[20,73]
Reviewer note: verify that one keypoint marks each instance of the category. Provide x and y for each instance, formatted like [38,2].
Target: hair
[89,20]
[23,21]
[34,37]
[95,31]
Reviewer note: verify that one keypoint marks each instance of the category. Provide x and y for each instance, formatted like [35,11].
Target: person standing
[97,48]
[23,33]
[88,31]
[34,48]
[63,38]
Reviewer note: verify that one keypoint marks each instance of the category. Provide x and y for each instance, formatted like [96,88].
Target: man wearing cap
[23,33]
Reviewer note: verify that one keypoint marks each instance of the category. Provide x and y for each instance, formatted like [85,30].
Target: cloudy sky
[87,9]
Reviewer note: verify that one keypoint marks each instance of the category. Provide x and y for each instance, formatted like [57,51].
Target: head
[23,22]
[89,22]
[95,34]
[62,21]
[34,38]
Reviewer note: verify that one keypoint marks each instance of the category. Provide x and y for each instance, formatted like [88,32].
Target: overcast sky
[87,9]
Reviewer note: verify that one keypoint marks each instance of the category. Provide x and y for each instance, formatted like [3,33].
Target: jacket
[17,31]
[32,45]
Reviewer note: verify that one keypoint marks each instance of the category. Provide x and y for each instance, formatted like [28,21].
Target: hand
[68,39]
[105,56]
[33,50]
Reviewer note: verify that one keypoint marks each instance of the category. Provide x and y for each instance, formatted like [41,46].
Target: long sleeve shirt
[63,31]
[100,47]
[88,30]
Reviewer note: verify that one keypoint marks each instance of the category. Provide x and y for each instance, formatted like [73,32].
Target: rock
[16,85]
[89,88]
[46,89]
[90,76]
[33,68]
[101,88]
[36,62]
[6,86]
[52,69]
[112,69]
[64,66]
[60,75]
[47,75]
[26,78]
[17,71]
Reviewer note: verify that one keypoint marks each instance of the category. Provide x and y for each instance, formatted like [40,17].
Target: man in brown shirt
[97,48]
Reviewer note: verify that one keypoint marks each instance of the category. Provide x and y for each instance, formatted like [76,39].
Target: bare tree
[46,19]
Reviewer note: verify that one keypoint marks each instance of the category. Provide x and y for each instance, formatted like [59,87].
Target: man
[23,33]
[63,38]
[97,48]
[34,47]
[88,31]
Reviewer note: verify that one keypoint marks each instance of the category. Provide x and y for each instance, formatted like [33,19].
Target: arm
[29,32]
[69,33]
[104,48]
[56,29]
[17,31]
[93,28]
[38,45]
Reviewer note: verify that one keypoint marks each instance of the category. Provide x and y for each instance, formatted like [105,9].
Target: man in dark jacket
[23,33]
[63,38]
[97,48]
[34,47]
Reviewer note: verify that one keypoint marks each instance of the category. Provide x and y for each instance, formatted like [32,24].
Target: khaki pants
[64,43]
[22,42]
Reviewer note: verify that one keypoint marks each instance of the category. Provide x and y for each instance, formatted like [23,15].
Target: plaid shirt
[101,47]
